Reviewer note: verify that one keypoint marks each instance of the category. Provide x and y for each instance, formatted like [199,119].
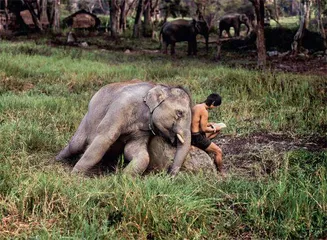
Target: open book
[219,126]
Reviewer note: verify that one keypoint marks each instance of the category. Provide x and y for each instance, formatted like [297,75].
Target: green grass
[44,93]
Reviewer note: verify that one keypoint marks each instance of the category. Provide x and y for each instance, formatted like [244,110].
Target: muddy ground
[261,154]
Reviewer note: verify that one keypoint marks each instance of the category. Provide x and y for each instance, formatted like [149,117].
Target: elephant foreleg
[195,47]
[237,31]
[96,151]
[137,152]
[189,48]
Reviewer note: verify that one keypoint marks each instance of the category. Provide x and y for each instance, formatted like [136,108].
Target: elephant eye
[179,113]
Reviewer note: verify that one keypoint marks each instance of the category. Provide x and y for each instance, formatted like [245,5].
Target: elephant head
[245,20]
[201,27]
[170,110]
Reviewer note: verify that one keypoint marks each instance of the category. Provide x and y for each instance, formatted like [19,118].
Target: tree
[6,13]
[321,26]
[259,9]
[114,10]
[56,15]
[137,23]
[36,19]
[305,11]
[276,10]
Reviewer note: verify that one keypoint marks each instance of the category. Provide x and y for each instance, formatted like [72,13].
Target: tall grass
[44,93]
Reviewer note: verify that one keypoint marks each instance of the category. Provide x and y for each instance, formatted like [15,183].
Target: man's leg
[212,135]
[218,156]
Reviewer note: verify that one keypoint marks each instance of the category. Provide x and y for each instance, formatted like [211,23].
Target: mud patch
[261,154]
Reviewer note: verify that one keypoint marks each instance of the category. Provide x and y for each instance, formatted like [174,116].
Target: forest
[266,59]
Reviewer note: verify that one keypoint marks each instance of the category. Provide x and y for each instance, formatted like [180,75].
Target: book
[219,126]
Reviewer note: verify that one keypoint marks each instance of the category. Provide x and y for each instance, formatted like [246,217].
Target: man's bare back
[203,131]
[199,114]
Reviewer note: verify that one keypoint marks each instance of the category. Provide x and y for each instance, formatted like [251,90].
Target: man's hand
[219,126]
[213,128]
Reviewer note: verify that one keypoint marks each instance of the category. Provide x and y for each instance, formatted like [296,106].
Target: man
[203,131]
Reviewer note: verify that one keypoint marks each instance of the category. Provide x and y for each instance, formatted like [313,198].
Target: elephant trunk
[183,147]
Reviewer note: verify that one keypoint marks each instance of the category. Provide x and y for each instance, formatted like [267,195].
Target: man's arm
[205,126]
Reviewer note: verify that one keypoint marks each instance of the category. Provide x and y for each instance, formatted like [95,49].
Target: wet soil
[262,153]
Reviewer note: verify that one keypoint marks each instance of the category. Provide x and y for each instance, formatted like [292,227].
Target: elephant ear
[155,96]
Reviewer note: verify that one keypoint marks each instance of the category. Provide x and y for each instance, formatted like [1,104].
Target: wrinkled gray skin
[119,114]
[233,20]
[183,30]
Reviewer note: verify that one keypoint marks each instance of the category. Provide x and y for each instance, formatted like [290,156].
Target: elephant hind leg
[165,47]
[137,152]
[172,48]
[76,145]
[237,31]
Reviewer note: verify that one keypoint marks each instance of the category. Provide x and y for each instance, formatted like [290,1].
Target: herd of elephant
[186,30]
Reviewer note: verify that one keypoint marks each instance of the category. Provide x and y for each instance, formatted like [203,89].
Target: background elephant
[184,30]
[125,116]
[233,20]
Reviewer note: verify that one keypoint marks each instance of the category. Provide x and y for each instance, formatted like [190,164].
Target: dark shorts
[200,140]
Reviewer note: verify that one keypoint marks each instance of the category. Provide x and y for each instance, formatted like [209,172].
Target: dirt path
[262,153]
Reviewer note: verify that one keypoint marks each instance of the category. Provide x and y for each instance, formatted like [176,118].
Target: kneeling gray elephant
[122,118]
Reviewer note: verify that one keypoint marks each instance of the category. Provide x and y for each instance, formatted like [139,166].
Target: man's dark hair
[213,99]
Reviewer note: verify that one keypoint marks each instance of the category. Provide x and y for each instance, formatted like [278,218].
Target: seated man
[203,131]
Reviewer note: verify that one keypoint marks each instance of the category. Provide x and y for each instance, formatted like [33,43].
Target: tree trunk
[147,28]
[259,8]
[101,6]
[6,14]
[321,28]
[35,19]
[125,11]
[276,10]
[56,16]
[113,18]
[43,9]
[38,9]
[218,53]
[300,32]
[137,23]
[122,17]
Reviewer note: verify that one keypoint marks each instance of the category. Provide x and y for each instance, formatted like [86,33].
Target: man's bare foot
[222,173]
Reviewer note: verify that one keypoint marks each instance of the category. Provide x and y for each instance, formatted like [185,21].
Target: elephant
[233,20]
[181,30]
[124,117]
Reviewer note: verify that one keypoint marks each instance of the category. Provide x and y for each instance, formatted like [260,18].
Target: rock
[127,51]
[71,38]
[84,44]
[302,56]
[284,54]
[162,155]
[272,53]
